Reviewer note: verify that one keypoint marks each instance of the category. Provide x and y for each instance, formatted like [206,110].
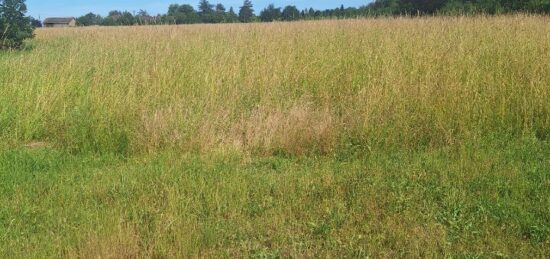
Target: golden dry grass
[283,87]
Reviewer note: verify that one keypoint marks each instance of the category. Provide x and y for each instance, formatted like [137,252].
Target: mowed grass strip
[491,200]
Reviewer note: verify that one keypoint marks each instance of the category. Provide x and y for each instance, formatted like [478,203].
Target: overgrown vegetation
[388,137]
[15,27]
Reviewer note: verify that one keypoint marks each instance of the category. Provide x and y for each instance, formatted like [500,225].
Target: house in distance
[58,22]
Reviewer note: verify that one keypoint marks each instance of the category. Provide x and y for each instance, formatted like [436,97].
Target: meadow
[387,137]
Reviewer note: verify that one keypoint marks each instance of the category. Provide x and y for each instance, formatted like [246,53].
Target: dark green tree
[206,12]
[142,13]
[246,13]
[205,7]
[173,9]
[231,16]
[89,20]
[270,13]
[453,7]
[291,13]
[15,27]
[220,15]
[118,18]
[220,8]
[114,13]
[183,14]
[126,19]
[143,18]
[311,13]
[537,6]
[35,23]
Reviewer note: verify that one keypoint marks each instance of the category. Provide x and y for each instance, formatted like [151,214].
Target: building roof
[59,20]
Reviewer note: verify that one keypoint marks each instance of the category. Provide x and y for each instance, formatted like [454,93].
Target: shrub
[15,27]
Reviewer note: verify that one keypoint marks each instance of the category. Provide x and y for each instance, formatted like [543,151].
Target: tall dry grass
[296,88]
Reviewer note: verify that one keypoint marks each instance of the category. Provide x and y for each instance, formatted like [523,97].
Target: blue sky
[43,8]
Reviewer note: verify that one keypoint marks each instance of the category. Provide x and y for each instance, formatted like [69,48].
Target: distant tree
[537,6]
[231,16]
[142,13]
[126,19]
[89,20]
[117,18]
[15,27]
[35,23]
[428,7]
[115,13]
[143,18]
[112,18]
[206,12]
[183,14]
[351,12]
[311,13]
[291,13]
[385,7]
[318,13]
[220,8]
[220,15]
[108,21]
[339,12]
[173,9]
[205,7]
[270,13]
[246,13]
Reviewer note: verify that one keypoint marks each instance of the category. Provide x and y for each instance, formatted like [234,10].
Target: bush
[15,27]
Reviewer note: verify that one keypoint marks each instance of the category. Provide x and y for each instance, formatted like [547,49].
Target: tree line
[15,26]
[217,13]
[458,7]
[177,14]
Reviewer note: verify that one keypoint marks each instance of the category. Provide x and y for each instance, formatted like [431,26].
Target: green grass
[488,199]
[406,137]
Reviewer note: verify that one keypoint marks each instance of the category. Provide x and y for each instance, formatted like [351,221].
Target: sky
[65,8]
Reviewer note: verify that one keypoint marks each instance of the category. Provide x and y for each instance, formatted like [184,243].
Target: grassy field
[422,137]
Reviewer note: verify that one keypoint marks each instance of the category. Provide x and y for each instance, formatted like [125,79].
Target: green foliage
[119,18]
[219,16]
[182,14]
[89,20]
[35,23]
[413,7]
[231,16]
[209,13]
[206,12]
[270,13]
[246,13]
[15,27]
[205,7]
[457,7]
[291,13]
